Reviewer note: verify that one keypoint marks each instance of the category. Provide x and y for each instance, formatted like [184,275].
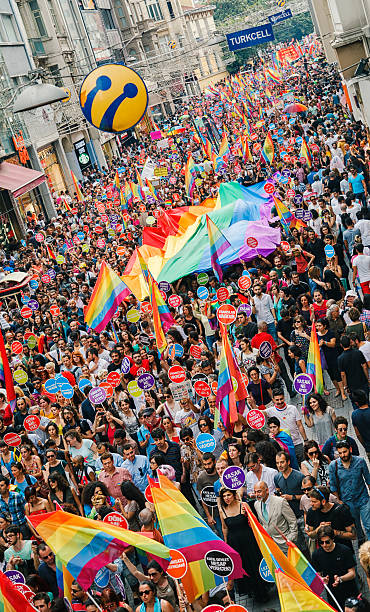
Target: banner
[280,16]
[249,38]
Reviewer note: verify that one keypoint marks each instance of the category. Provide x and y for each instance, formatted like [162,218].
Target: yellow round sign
[113,98]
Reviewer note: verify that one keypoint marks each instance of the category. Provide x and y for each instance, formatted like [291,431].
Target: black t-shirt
[297,290]
[285,328]
[337,562]
[84,426]
[338,516]
[249,330]
[351,363]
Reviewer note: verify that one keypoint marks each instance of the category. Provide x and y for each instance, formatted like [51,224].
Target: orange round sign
[226,314]
[178,565]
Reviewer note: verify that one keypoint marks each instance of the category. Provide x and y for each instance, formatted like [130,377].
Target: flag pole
[93,600]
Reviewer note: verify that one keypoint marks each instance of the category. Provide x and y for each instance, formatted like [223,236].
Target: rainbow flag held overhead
[83,545]
[218,244]
[141,186]
[162,318]
[12,600]
[6,378]
[273,75]
[50,252]
[189,176]
[77,188]
[306,153]
[314,369]
[64,579]
[224,146]
[286,217]
[294,596]
[247,155]
[305,569]
[268,152]
[175,494]
[183,531]
[117,184]
[128,193]
[123,206]
[108,293]
[151,189]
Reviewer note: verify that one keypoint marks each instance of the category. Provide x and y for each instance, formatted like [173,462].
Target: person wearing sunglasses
[79,597]
[330,447]
[150,601]
[164,584]
[337,566]
[315,463]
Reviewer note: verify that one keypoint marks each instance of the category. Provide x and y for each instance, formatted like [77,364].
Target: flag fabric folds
[305,152]
[6,378]
[83,545]
[184,532]
[50,252]
[77,188]
[108,293]
[189,176]
[314,368]
[305,569]
[268,152]
[294,596]
[12,600]
[218,244]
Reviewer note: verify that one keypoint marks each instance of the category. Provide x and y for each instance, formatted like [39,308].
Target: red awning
[19,179]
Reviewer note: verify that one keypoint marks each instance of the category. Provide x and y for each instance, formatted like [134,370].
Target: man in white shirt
[290,420]
[256,472]
[264,310]
[361,267]
[363,224]
[344,184]
[317,185]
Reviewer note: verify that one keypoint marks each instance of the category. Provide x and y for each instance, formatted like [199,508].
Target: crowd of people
[306,478]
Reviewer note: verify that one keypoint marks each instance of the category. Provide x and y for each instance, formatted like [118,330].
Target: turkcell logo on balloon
[206,443]
[303,384]
[202,293]
[125,366]
[233,477]
[329,251]
[265,572]
[113,98]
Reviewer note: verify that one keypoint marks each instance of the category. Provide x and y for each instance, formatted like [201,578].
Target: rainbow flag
[306,153]
[184,532]
[123,205]
[224,146]
[83,545]
[141,186]
[314,369]
[12,600]
[286,217]
[151,189]
[162,318]
[305,569]
[228,400]
[6,378]
[77,189]
[294,596]
[268,152]
[247,155]
[218,244]
[175,494]
[135,191]
[273,75]
[108,293]
[128,193]
[117,184]
[64,579]
[50,252]
[189,176]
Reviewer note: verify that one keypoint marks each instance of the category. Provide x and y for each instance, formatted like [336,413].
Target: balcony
[37,46]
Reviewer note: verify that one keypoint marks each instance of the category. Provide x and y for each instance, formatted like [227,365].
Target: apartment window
[154,11]
[121,16]
[54,18]
[170,9]
[108,19]
[55,72]
[37,17]
[9,28]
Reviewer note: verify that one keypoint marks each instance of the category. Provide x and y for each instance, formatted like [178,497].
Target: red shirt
[144,366]
[320,309]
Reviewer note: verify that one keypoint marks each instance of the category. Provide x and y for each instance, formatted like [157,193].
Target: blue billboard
[280,16]
[248,38]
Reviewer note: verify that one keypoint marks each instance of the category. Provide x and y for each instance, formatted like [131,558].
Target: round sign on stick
[116,519]
[174,300]
[148,494]
[177,374]
[114,379]
[285,246]
[202,388]
[265,572]
[252,242]
[303,384]
[219,563]
[32,422]
[246,309]
[146,381]
[269,188]
[178,565]
[16,347]
[226,314]
[26,312]
[213,608]
[208,496]
[205,443]
[233,478]
[244,283]
[202,278]
[195,351]
[113,98]
[222,294]
[329,252]
[12,439]
[255,419]
[265,349]
[107,387]
[97,395]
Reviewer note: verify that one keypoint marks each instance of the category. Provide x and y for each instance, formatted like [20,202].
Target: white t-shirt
[187,418]
[288,417]
[267,476]
[362,263]
[364,226]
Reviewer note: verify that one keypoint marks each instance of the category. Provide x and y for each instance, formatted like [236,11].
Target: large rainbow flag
[305,569]
[183,531]
[218,244]
[83,545]
[294,596]
[6,378]
[314,369]
[108,293]
[12,600]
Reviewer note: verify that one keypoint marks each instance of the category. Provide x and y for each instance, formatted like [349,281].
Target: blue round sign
[125,366]
[61,380]
[25,299]
[202,293]
[51,385]
[80,235]
[34,284]
[83,382]
[205,443]
[179,350]
[102,578]
[329,251]
[265,572]
[67,391]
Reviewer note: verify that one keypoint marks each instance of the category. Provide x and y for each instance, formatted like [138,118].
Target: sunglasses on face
[305,490]
[311,453]
[146,592]
[324,542]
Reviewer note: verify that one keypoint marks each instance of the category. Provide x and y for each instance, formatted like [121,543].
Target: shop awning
[19,179]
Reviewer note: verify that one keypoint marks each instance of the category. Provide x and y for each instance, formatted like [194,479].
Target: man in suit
[274,513]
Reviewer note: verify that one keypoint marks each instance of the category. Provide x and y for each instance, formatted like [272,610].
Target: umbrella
[295,107]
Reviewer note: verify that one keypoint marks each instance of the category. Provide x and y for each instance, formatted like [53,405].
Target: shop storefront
[109,146]
[52,168]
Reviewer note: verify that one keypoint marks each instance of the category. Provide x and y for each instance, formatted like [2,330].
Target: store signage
[251,37]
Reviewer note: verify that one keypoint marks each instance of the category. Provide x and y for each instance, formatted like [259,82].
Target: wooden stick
[227,592]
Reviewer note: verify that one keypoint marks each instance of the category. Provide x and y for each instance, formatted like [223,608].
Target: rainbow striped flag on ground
[189,176]
[183,531]
[314,369]
[83,545]
[218,244]
[108,293]
[12,600]
[294,596]
[77,189]
[6,378]
[268,152]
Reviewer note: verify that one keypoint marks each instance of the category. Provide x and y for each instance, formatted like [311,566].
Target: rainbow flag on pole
[151,189]
[50,252]
[83,545]
[314,368]
[189,176]
[268,152]
[141,186]
[294,596]
[162,318]
[108,293]
[76,187]
[117,184]
[12,600]
[305,569]
[218,244]
[306,153]
[6,378]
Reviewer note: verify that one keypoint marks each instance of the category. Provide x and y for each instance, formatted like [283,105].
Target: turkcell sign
[248,38]
[280,16]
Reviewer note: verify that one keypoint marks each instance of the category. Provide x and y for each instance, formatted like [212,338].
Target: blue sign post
[249,38]
[286,14]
